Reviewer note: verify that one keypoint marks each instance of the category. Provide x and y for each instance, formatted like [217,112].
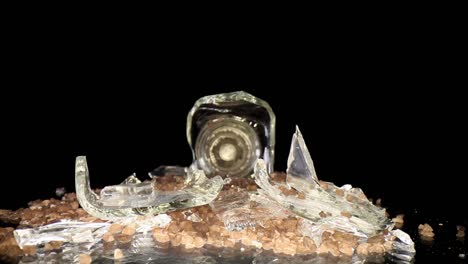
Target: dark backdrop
[394,131]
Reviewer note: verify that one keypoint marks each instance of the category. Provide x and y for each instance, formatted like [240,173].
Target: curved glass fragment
[346,209]
[228,132]
[134,197]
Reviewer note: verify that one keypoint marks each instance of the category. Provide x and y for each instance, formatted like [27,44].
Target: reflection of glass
[228,132]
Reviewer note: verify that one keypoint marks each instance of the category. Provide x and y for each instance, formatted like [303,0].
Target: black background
[379,100]
[385,113]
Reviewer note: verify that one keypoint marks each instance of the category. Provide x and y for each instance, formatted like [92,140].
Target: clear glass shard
[301,171]
[228,132]
[345,209]
[134,198]
[402,247]
[240,210]
[66,231]
[85,237]
[138,195]
[403,237]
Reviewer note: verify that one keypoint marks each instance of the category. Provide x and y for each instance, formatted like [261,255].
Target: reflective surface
[228,132]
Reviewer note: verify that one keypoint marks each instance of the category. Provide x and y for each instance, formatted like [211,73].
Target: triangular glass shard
[301,170]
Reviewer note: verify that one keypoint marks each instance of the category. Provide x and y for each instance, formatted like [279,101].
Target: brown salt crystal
[115,228]
[326,235]
[30,250]
[235,235]
[345,238]
[363,249]
[217,242]
[301,196]
[129,230]
[278,176]
[324,185]
[339,192]
[351,198]
[186,225]
[346,249]
[425,227]
[9,217]
[388,245]
[122,238]
[308,244]
[301,248]
[201,227]
[75,205]
[173,228]
[108,245]
[81,212]
[268,245]
[346,214]
[376,249]
[118,254]
[379,239]
[290,224]
[426,232]
[85,259]
[260,233]
[215,228]
[160,235]
[176,241]
[108,237]
[224,232]
[398,219]
[246,241]
[229,243]
[460,231]
[27,214]
[329,246]
[251,233]
[286,191]
[53,245]
[62,208]
[252,188]
[198,242]
[284,245]
[6,231]
[187,239]
[8,251]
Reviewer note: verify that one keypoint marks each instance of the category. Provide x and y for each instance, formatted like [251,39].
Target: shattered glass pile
[316,220]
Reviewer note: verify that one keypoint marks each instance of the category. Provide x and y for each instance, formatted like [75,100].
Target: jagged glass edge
[69,231]
[312,205]
[232,97]
[307,178]
[89,200]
